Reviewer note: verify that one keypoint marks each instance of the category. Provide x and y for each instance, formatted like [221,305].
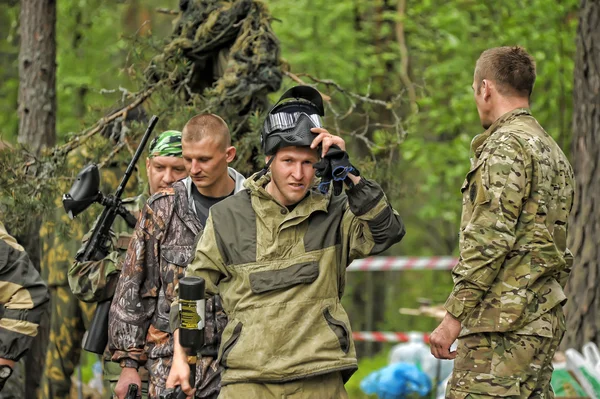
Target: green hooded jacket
[281,275]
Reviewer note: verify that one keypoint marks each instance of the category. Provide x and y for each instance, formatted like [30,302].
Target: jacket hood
[314,199]
[234,174]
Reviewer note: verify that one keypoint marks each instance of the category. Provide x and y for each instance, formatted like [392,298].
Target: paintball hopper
[84,191]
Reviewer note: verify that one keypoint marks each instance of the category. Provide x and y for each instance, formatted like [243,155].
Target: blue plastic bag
[396,381]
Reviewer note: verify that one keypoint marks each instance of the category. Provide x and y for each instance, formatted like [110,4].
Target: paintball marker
[132,392]
[82,194]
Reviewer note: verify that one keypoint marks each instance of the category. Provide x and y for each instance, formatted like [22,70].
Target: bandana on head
[166,144]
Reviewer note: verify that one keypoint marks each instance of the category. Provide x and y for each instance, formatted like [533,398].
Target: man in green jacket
[506,305]
[277,253]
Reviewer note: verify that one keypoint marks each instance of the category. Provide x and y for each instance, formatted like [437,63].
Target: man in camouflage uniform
[506,305]
[277,252]
[160,249]
[23,298]
[69,317]
[96,281]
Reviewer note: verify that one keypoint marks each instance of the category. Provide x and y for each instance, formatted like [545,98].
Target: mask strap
[265,169]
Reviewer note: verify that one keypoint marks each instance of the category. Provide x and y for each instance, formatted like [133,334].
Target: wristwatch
[5,372]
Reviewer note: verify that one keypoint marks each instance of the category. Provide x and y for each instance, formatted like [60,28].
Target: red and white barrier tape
[383,336]
[383,263]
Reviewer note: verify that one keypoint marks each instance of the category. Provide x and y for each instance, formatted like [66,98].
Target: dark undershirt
[203,203]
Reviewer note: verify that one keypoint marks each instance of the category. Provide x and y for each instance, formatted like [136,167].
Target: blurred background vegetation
[418,55]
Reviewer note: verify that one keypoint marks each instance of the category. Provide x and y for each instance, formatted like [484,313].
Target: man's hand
[9,363]
[326,140]
[180,369]
[443,337]
[128,376]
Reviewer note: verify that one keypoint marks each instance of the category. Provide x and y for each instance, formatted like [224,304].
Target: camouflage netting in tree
[233,55]
[224,58]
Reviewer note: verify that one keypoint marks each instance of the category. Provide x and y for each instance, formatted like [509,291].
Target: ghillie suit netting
[223,58]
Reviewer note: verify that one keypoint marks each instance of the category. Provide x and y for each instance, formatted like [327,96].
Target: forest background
[416,55]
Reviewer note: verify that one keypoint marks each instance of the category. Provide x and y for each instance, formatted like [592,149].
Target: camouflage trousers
[207,373]
[327,386]
[68,323]
[509,365]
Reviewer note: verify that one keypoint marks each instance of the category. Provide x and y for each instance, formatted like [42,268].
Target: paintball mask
[289,121]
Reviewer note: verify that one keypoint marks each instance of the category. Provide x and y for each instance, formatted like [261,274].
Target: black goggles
[283,121]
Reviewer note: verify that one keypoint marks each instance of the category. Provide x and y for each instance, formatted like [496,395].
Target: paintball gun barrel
[83,193]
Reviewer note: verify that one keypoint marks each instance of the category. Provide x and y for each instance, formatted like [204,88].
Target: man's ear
[230,153]
[148,168]
[268,158]
[486,86]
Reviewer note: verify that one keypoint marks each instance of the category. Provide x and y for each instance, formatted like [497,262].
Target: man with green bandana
[277,254]
[96,281]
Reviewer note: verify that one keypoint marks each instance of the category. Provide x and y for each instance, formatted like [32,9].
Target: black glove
[323,170]
[335,165]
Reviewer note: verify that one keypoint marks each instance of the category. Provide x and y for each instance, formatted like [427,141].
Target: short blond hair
[206,125]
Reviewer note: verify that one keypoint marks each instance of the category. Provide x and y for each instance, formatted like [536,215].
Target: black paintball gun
[192,310]
[84,192]
[132,392]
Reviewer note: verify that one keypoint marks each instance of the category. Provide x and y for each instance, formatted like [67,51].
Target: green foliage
[446,39]
[91,53]
[9,72]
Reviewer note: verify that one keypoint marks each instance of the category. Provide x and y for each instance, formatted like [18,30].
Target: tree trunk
[37,74]
[37,130]
[583,290]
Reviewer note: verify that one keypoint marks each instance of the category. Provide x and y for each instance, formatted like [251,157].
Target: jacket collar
[314,201]
[480,139]
[188,213]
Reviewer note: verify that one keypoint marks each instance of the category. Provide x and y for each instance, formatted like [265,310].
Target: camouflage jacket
[281,275]
[95,281]
[161,247]
[23,298]
[514,260]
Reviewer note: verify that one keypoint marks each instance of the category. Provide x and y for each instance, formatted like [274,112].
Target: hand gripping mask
[289,122]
